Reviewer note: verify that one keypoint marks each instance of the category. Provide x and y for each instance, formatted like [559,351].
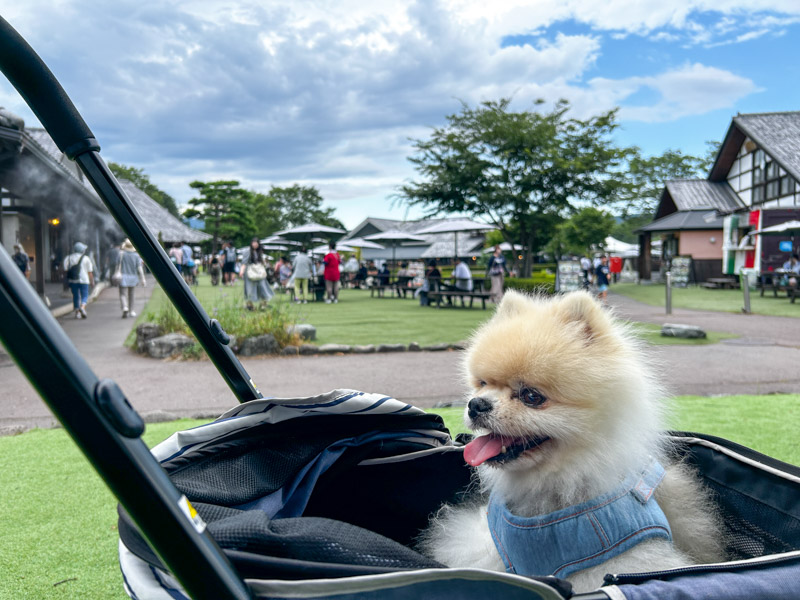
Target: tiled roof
[684,220]
[698,194]
[778,134]
[158,219]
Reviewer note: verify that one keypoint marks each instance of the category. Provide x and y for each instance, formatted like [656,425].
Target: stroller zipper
[634,578]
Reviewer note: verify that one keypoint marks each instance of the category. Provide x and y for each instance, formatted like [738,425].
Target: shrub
[235,320]
[540,283]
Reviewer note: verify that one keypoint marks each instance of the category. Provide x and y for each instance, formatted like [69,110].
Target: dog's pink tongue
[482,449]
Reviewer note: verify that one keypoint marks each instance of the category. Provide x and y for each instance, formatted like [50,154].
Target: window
[787,185]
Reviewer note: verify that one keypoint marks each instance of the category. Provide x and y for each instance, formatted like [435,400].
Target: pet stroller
[320,497]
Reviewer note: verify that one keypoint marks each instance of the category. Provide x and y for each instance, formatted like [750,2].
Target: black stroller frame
[99,418]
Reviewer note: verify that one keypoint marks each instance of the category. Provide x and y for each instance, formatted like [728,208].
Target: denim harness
[577,537]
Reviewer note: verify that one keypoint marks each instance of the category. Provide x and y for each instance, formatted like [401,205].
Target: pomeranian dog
[576,479]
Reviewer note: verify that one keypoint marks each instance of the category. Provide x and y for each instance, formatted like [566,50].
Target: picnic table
[721,283]
[778,281]
[447,291]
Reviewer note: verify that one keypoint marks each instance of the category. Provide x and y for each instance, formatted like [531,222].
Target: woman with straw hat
[129,272]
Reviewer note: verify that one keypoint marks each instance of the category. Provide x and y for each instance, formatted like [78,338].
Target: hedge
[541,283]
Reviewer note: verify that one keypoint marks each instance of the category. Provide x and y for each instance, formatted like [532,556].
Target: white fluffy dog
[574,471]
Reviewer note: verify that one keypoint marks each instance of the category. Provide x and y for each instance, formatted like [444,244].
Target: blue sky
[328,93]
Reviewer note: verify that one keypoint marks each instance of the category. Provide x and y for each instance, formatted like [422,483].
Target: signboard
[680,268]
[569,277]
[785,246]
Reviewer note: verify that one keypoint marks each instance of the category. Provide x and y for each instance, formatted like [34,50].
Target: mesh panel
[243,472]
[753,528]
[309,539]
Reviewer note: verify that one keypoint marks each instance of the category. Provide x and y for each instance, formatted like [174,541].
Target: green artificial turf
[58,520]
[697,298]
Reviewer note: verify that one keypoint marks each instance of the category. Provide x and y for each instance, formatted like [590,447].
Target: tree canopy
[141,180]
[225,209]
[588,227]
[300,204]
[522,171]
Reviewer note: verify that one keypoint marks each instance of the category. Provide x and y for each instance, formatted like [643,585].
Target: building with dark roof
[46,205]
[436,245]
[752,184]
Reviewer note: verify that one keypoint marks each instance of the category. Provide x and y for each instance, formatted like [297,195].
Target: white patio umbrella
[358,242]
[787,227]
[505,247]
[456,226]
[323,249]
[304,233]
[394,239]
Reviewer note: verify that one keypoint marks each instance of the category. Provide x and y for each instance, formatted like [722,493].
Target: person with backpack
[80,275]
[228,256]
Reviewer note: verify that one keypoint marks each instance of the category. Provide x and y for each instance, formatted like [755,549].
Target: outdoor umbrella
[394,239]
[275,242]
[787,227]
[358,242]
[324,249]
[504,247]
[456,226]
[304,233]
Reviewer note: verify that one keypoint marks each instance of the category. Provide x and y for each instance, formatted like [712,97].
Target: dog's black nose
[478,406]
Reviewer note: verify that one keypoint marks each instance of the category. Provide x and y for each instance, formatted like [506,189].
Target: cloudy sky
[328,93]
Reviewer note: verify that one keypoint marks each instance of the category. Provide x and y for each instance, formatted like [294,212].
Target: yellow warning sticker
[191,514]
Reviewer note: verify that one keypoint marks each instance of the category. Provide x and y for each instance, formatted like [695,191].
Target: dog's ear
[512,304]
[583,308]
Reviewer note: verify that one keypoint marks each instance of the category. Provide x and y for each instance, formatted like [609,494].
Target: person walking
[254,274]
[176,256]
[21,260]
[80,275]
[497,269]
[303,271]
[132,273]
[601,279]
[332,261]
[228,256]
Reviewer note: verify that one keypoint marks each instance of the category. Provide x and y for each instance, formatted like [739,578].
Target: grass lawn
[697,298]
[58,520]
[359,318]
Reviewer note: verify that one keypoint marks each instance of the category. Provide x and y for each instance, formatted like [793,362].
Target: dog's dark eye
[532,397]
[482,383]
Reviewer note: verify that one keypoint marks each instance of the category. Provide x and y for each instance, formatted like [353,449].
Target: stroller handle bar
[48,100]
[100,420]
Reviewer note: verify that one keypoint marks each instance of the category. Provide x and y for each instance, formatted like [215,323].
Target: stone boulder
[167,345]
[334,349]
[290,351]
[391,348]
[414,347]
[692,332]
[259,344]
[146,332]
[436,348]
[303,330]
[308,349]
[368,349]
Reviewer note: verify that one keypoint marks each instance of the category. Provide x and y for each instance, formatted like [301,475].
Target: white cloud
[327,92]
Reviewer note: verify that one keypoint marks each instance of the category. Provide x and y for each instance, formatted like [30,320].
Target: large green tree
[141,180]
[647,176]
[588,227]
[522,171]
[300,204]
[226,210]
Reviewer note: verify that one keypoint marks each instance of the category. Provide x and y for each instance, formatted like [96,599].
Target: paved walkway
[764,360]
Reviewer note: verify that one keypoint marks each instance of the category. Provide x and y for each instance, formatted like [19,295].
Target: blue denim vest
[578,537]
